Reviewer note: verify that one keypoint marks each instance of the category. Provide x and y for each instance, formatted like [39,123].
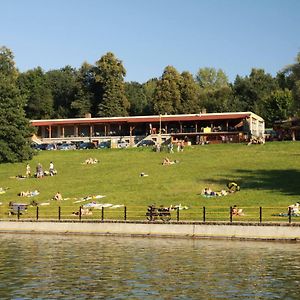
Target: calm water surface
[78,267]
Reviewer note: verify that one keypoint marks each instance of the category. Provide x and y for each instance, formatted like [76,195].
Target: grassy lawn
[269,176]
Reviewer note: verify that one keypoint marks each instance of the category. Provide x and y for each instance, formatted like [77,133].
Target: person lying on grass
[84,212]
[29,194]
[207,192]
[167,161]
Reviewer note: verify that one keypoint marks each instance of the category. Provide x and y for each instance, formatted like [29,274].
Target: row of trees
[101,90]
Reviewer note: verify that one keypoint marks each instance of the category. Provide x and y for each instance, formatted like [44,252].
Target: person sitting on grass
[294,209]
[233,187]
[237,211]
[28,170]
[57,196]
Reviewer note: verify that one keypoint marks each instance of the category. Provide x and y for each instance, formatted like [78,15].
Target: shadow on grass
[284,181]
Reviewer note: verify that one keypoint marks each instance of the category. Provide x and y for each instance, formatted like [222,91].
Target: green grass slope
[269,176]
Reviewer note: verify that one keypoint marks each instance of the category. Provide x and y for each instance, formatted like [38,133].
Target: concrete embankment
[257,231]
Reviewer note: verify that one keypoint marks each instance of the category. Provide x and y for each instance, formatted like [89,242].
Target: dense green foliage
[15,129]
[100,90]
[268,175]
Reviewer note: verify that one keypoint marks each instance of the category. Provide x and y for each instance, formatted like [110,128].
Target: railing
[139,213]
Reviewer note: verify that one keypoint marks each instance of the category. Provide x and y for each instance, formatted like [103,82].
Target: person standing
[28,171]
[51,169]
[39,171]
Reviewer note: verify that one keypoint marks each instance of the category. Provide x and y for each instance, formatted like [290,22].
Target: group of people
[91,161]
[232,187]
[29,193]
[179,145]
[40,173]
[207,192]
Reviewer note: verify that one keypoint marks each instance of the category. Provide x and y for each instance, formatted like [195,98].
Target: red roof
[144,119]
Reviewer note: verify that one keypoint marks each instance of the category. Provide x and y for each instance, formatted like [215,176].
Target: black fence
[154,214]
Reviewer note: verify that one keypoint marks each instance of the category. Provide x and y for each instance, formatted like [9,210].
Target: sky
[148,35]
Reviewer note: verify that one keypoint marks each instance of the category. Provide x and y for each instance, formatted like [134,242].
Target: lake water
[93,267]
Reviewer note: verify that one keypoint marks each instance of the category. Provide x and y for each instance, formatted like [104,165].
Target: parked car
[104,144]
[87,145]
[122,144]
[146,143]
[270,135]
[66,146]
[51,147]
[41,146]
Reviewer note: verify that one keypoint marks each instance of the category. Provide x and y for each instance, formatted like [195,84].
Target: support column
[131,140]
[62,131]
[50,131]
[91,130]
[75,130]
[293,135]
[43,132]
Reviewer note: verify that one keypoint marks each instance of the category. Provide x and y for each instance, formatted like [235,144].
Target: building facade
[194,128]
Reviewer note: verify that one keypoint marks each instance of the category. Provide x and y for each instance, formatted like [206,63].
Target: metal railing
[139,213]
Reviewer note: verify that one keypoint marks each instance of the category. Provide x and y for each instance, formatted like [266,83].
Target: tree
[149,88]
[137,98]
[278,106]
[39,98]
[215,92]
[292,75]
[167,98]
[253,90]
[189,91]
[109,73]
[63,88]
[210,78]
[15,130]
[83,95]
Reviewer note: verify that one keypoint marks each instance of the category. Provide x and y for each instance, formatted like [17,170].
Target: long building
[193,128]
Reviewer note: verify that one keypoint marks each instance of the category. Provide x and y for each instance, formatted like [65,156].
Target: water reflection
[70,267]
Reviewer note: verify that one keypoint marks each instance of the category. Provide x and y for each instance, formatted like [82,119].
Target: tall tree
[110,76]
[83,95]
[137,98]
[215,92]
[292,75]
[63,87]
[278,106]
[189,91]
[15,130]
[39,98]
[149,90]
[210,78]
[253,90]
[167,98]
